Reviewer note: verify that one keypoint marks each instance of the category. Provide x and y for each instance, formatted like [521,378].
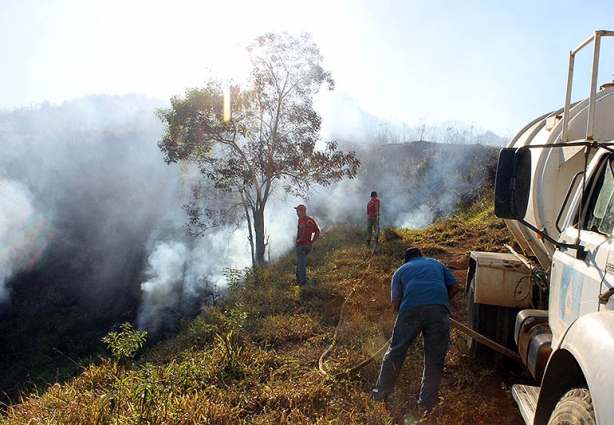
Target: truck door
[579,277]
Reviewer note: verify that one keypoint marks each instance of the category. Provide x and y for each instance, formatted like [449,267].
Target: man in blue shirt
[420,293]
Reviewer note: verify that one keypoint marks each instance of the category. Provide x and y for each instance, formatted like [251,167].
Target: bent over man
[306,234]
[420,293]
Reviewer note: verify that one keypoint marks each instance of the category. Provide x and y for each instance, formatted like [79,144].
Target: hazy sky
[493,64]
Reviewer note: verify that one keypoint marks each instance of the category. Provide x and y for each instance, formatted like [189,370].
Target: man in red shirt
[373,210]
[307,233]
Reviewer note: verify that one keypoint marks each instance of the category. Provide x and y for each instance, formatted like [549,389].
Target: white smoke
[166,265]
[416,219]
[21,231]
[184,273]
[411,197]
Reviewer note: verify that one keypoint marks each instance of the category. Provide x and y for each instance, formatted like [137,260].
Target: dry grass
[253,359]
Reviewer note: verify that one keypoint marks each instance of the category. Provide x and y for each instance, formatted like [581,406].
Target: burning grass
[254,357]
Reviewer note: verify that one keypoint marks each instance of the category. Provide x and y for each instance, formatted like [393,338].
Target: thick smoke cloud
[183,273]
[87,200]
[162,292]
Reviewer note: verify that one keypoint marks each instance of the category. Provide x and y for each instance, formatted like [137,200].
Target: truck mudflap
[526,397]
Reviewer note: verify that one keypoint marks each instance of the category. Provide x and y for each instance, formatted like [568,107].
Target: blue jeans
[301,264]
[433,321]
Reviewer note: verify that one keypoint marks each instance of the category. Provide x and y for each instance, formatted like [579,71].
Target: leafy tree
[267,144]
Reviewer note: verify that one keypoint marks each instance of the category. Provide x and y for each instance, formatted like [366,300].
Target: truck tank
[554,169]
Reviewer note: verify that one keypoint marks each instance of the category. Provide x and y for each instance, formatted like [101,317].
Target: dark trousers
[372,228]
[433,321]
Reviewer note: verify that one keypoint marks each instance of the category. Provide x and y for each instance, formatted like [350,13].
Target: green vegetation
[254,358]
[125,344]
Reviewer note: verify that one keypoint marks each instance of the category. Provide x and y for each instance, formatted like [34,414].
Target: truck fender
[580,359]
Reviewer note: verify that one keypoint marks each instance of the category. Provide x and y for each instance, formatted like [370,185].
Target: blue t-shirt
[421,281]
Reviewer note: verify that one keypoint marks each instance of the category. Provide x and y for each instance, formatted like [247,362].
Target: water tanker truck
[551,297]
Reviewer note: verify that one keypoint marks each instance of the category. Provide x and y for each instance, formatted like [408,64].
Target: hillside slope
[271,353]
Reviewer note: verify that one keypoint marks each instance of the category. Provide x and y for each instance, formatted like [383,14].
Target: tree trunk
[250,236]
[258,214]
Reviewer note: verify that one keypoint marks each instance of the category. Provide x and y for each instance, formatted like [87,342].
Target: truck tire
[575,407]
[494,322]
[479,318]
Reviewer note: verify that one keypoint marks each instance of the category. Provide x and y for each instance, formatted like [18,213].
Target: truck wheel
[575,407]
[480,320]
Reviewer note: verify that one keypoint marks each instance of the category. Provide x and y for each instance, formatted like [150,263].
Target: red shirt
[310,227]
[373,208]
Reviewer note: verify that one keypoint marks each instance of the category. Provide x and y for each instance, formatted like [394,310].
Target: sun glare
[232,68]
[227,111]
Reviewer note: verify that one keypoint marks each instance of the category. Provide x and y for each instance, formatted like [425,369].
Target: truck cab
[551,297]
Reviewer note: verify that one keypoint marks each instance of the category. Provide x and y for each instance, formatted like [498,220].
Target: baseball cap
[301,207]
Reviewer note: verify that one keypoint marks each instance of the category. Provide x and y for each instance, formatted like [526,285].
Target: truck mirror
[512,183]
